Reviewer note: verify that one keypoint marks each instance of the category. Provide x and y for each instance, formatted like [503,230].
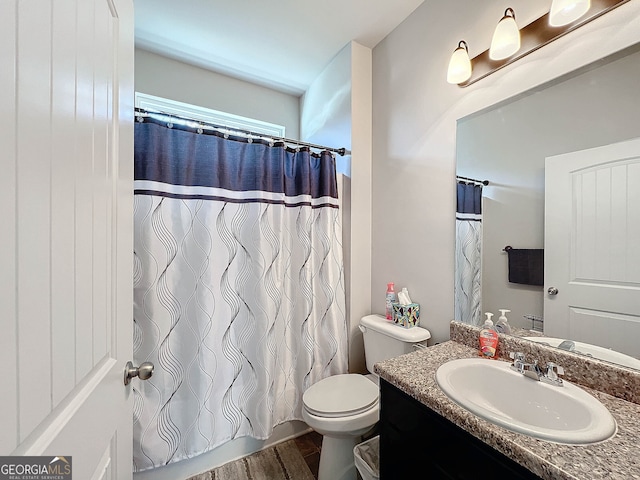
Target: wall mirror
[507,144]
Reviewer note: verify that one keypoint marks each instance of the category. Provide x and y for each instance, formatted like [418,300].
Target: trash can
[366,456]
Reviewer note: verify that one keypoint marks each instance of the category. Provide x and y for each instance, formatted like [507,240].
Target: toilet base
[336,458]
[340,434]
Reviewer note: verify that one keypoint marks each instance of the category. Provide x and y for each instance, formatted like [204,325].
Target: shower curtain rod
[483,182]
[150,113]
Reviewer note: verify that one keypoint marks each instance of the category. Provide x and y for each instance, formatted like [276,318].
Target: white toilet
[342,408]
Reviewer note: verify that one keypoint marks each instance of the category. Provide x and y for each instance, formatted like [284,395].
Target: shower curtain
[239,297]
[468,256]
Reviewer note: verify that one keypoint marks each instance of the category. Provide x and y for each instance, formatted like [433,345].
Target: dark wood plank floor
[309,446]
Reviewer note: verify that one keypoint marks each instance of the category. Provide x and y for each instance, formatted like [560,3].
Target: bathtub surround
[238,287]
[616,387]
[352,120]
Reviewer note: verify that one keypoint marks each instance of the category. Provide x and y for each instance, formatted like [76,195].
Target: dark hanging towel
[526,266]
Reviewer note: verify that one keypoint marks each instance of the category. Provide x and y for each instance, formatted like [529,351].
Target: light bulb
[506,37]
[564,12]
[460,64]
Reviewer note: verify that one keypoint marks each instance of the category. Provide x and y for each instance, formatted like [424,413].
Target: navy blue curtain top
[469,198]
[180,156]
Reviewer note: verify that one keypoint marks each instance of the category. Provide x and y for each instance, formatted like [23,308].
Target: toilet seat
[340,396]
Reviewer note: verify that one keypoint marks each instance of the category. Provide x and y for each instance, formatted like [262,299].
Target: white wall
[325,108]
[168,78]
[414,126]
[336,111]
[508,144]
[360,207]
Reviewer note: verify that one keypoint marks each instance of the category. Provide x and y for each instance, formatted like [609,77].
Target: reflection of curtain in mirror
[468,260]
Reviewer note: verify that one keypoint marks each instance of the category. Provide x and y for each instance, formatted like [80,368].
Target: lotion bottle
[488,338]
[502,325]
[390,298]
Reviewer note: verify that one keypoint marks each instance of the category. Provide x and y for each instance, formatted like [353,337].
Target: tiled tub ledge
[616,458]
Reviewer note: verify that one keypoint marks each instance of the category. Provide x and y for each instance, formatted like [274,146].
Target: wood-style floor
[309,446]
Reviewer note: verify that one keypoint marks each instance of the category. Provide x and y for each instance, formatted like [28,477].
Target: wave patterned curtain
[239,297]
[468,261]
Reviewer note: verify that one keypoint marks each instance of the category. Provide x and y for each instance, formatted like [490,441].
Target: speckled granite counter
[616,458]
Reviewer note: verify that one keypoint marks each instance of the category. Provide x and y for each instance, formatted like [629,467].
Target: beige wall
[414,127]
[168,78]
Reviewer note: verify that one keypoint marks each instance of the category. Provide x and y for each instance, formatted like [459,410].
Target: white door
[592,246]
[66,139]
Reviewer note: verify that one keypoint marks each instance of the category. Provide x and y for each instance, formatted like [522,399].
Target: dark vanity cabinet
[416,442]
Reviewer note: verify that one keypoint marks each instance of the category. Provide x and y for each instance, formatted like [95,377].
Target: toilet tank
[384,339]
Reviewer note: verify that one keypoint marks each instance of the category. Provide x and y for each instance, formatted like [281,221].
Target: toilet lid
[341,395]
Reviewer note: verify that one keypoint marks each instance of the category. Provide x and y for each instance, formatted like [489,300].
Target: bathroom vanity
[422,429]
[414,438]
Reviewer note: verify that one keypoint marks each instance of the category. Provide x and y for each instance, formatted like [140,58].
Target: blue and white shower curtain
[468,256]
[239,297]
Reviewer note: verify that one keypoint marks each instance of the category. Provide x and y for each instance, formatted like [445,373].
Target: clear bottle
[390,298]
[488,338]
[502,325]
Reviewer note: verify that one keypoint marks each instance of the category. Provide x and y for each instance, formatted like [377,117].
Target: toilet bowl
[341,408]
[344,407]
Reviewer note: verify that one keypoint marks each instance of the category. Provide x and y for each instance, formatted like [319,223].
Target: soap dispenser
[488,338]
[502,325]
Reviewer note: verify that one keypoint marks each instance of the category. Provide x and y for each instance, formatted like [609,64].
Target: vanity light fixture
[506,37]
[510,44]
[460,64]
[564,12]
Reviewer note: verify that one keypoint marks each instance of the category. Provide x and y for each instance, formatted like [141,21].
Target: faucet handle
[518,361]
[553,371]
[517,356]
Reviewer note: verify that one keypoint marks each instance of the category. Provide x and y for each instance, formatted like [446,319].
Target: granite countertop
[616,458]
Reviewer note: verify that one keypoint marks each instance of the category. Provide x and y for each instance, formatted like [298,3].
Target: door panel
[32,213]
[623,329]
[63,178]
[104,470]
[592,233]
[8,189]
[66,193]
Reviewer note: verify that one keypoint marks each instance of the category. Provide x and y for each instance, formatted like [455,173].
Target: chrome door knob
[143,372]
[552,291]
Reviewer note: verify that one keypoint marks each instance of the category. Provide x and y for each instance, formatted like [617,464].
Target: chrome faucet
[570,346]
[518,361]
[533,371]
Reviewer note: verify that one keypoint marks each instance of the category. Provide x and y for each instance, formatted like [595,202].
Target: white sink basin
[491,390]
[592,350]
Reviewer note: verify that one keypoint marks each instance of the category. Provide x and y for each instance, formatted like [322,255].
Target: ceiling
[282,44]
